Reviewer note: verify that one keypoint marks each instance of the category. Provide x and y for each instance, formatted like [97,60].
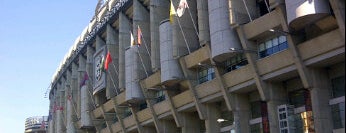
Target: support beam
[251,58]
[117,110]
[134,111]
[158,124]
[302,69]
[176,115]
[201,109]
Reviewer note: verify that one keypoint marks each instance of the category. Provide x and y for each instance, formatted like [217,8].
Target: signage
[99,77]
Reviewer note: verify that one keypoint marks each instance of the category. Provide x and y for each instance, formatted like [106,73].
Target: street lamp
[221,120]
[280,32]
[242,50]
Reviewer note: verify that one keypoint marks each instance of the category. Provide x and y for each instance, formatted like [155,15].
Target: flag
[108,60]
[181,8]
[132,39]
[172,13]
[102,62]
[85,78]
[139,35]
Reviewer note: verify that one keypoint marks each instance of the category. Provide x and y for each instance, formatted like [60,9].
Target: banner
[99,77]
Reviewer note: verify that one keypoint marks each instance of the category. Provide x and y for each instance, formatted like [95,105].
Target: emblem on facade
[99,68]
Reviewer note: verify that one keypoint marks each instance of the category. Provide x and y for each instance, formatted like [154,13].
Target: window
[127,112]
[262,7]
[272,46]
[338,115]
[142,105]
[338,87]
[256,128]
[235,62]
[206,75]
[299,98]
[255,109]
[160,96]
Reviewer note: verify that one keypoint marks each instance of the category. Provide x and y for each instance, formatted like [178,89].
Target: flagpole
[145,43]
[115,88]
[145,70]
[247,10]
[182,32]
[193,22]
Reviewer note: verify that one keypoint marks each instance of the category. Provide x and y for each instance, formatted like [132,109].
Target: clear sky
[34,37]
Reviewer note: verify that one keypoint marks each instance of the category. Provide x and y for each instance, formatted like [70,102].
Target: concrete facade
[224,66]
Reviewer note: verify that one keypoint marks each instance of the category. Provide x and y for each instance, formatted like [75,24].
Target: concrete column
[59,119]
[203,21]
[339,11]
[89,69]
[241,113]
[278,96]
[191,123]
[158,13]
[214,113]
[69,108]
[184,26]
[81,73]
[320,96]
[113,47]
[124,42]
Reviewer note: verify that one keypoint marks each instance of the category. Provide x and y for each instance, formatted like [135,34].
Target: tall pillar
[89,101]
[124,42]
[81,77]
[241,113]
[320,96]
[69,108]
[113,47]
[278,97]
[203,21]
[59,118]
[158,13]
[191,123]
[185,36]
[214,113]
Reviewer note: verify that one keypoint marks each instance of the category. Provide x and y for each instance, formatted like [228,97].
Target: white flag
[181,8]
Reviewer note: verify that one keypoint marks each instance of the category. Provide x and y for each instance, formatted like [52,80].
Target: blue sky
[34,37]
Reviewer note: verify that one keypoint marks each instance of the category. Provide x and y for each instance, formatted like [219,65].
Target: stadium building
[204,66]
[37,124]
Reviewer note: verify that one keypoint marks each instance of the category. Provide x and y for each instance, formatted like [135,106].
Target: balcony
[328,48]
[182,99]
[253,30]
[152,81]
[207,88]
[200,56]
[238,76]
[144,115]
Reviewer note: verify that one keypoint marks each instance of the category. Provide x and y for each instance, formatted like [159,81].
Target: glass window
[160,96]
[298,98]
[275,41]
[256,128]
[127,112]
[261,47]
[235,62]
[255,109]
[206,75]
[338,115]
[338,87]
[272,46]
